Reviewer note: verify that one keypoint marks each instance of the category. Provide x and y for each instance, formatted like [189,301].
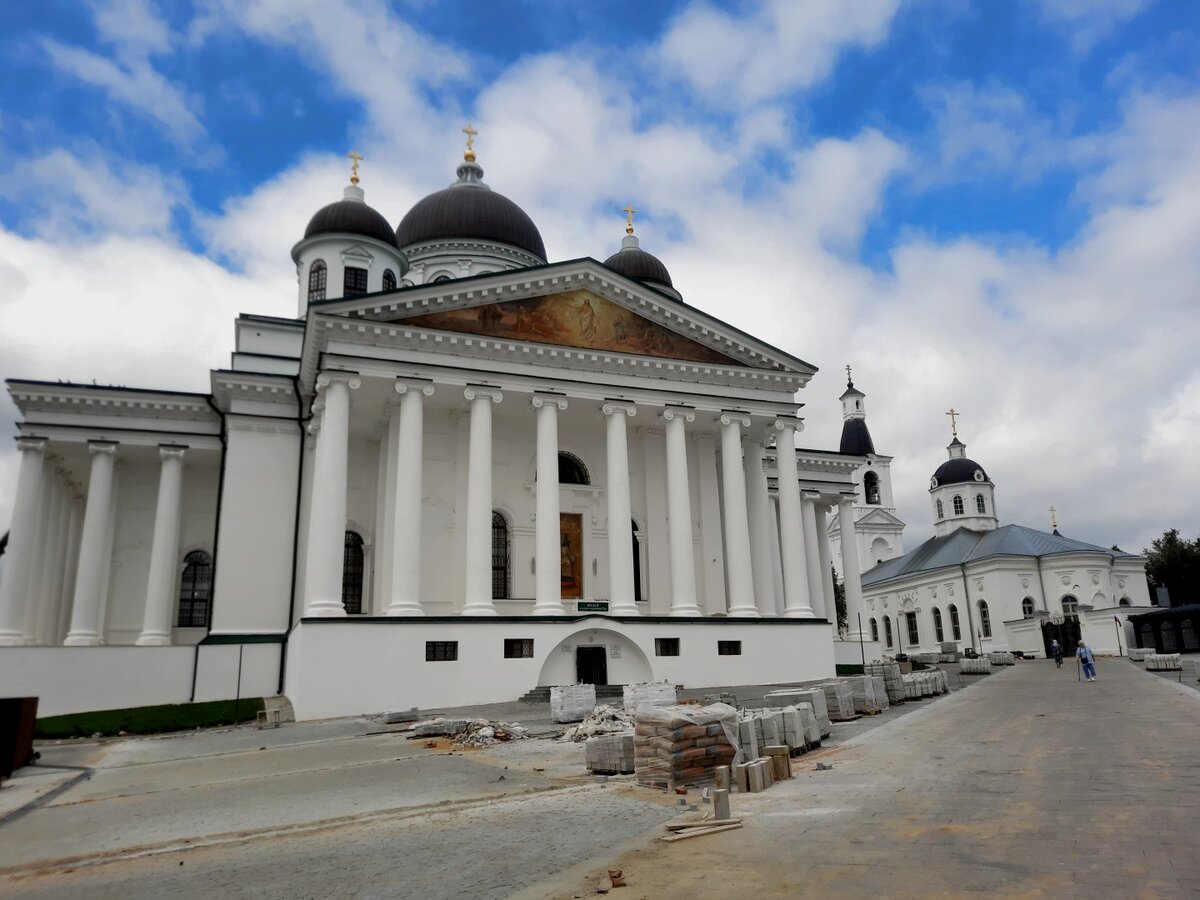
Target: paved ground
[1029,782]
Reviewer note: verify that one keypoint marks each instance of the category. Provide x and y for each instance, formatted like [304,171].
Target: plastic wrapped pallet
[891,679]
[912,686]
[839,698]
[881,694]
[683,745]
[927,689]
[1001,658]
[862,690]
[610,754]
[1164,662]
[815,697]
[649,693]
[980,666]
[1139,654]
[571,702]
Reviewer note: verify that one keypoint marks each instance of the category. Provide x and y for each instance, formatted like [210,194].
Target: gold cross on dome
[470,132]
[1053,519]
[954,414]
[356,158]
[629,211]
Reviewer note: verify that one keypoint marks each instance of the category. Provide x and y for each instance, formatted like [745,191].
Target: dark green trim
[244,639]
[566,619]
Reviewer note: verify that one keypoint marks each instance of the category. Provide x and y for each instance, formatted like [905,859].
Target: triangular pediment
[880,517]
[576,318]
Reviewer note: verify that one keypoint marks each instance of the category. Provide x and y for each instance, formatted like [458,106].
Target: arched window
[195,590]
[1027,608]
[501,558]
[938,631]
[959,508]
[352,573]
[985,619]
[571,470]
[637,564]
[317,276]
[1070,605]
[1146,636]
[389,280]
[874,629]
[980,505]
[955,628]
[1124,601]
[914,635]
[941,510]
[440,278]
[887,632]
[871,488]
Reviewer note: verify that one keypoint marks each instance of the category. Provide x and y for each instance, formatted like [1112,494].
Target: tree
[839,600]
[1175,563]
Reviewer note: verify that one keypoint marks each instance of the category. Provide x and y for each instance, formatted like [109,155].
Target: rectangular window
[729,648]
[666,646]
[355,282]
[914,636]
[441,651]
[518,648]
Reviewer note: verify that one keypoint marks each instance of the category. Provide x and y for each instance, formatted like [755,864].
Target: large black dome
[639,265]
[470,209]
[351,217]
[956,471]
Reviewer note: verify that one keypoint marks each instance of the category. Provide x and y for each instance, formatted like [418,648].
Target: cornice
[109,401]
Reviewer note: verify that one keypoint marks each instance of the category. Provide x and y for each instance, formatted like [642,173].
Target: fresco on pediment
[572,319]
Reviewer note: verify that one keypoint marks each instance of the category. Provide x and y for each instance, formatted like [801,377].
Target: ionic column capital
[686,413]
[611,407]
[483,391]
[782,423]
[404,385]
[172,451]
[29,444]
[338,376]
[541,400]
[735,417]
[108,448]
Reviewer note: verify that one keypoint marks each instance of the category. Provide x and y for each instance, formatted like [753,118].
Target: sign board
[592,606]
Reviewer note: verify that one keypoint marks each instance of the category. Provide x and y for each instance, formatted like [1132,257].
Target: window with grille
[501,558]
[666,646]
[389,280]
[874,630]
[317,275]
[441,651]
[941,510]
[1027,608]
[980,505]
[195,590]
[954,627]
[729,648]
[518,648]
[959,508]
[985,619]
[352,573]
[938,631]
[354,281]
[887,632]
[914,635]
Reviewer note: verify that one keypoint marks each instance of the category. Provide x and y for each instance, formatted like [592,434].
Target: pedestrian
[1056,652]
[1089,662]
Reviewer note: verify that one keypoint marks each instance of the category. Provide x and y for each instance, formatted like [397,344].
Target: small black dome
[856,438]
[351,217]
[470,209]
[639,265]
[956,471]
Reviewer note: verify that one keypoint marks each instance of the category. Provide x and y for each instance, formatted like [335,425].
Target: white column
[620,511]
[406,506]
[825,563]
[164,549]
[41,594]
[776,557]
[679,514]
[796,600]
[851,571]
[70,565]
[53,602]
[93,548]
[710,523]
[737,522]
[812,558]
[656,588]
[22,541]
[325,558]
[760,525]
[547,525]
[479,503]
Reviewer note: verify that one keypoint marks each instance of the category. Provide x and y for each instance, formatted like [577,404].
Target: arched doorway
[624,661]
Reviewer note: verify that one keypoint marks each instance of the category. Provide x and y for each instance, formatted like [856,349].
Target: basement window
[441,651]
[729,648]
[666,646]
[518,648]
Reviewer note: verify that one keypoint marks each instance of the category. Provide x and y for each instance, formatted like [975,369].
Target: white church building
[460,472]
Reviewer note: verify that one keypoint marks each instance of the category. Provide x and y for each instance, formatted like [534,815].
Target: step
[541,694]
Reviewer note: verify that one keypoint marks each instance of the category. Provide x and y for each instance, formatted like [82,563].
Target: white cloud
[1087,22]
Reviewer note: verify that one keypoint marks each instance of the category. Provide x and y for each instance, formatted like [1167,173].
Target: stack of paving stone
[610,754]
[1164,662]
[862,691]
[800,728]
[1139,654]
[839,700]
[571,702]
[1001,658]
[816,698]
[891,679]
[881,693]
[683,745]
[980,666]
[649,693]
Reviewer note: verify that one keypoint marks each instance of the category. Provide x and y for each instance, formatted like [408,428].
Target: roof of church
[470,209]
[856,439]
[635,263]
[964,545]
[954,471]
[351,217]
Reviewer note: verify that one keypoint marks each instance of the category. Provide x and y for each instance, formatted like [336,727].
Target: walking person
[1056,652]
[1084,654]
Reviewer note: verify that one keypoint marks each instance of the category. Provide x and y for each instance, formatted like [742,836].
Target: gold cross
[1053,519]
[629,211]
[849,380]
[357,158]
[470,132]
[954,414]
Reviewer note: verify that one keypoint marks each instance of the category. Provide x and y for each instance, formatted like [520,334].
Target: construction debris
[601,720]
[482,733]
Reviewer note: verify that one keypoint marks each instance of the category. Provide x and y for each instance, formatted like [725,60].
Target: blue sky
[984,204]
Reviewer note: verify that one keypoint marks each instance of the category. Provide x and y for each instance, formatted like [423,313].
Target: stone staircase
[604,694]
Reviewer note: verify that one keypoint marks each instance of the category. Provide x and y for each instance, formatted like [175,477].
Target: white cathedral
[460,472]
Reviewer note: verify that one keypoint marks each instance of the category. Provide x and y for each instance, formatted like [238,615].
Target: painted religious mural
[571,553]
[573,319]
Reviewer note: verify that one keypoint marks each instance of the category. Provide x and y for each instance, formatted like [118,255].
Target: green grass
[148,719]
[855,669]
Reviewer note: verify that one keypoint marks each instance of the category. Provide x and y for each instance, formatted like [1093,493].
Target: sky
[990,206]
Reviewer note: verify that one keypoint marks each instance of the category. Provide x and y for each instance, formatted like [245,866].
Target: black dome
[639,265]
[351,217]
[469,209]
[956,471]
[856,438]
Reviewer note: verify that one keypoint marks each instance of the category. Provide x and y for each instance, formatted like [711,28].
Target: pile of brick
[1001,658]
[1140,654]
[980,666]
[839,701]
[610,754]
[683,745]
[890,672]
[760,774]
[813,697]
[649,693]
[1164,662]
[571,702]
[862,693]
